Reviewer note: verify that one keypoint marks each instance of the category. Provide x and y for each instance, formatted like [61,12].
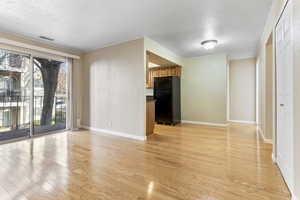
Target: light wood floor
[186,162]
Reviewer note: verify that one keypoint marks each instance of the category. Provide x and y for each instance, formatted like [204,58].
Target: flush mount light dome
[209,44]
[46,38]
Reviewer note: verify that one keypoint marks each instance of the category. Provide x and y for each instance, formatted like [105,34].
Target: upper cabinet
[157,66]
[162,72]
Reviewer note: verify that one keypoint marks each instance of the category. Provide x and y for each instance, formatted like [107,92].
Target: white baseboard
[204,123]
[269,141]
[242,121]
[294,197]
[115,133]
[78,122]
[274,158]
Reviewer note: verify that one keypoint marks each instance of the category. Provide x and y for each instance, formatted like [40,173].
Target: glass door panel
[15,92]
[50,95]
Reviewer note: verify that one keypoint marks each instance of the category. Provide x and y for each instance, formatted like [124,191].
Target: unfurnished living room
[150,100]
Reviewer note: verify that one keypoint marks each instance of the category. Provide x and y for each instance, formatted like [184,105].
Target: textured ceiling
[179,25]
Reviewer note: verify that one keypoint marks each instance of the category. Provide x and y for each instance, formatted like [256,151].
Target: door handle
[281,104]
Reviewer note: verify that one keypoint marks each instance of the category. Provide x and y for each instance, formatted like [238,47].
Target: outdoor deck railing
[17,105]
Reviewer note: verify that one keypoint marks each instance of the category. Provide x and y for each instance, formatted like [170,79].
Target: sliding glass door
[15,94]
[50,95]
[33,95]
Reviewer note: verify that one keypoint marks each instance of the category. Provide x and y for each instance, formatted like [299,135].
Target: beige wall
[266,119]
[242,87]
[269,92]
[203,89]
[37,43]
[113,89]
[77,88]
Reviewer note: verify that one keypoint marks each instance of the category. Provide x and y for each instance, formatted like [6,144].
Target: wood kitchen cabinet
[150,115]
[162,72]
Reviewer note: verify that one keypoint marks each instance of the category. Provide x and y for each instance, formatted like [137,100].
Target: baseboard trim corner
[115,133]
[268,141]
[274,158]
[204,123]
[78,122]
[242,121]
[294,197]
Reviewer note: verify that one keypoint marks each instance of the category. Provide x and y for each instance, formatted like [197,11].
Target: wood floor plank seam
[185,162]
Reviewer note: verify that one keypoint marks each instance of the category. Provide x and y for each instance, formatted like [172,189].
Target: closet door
[284,70]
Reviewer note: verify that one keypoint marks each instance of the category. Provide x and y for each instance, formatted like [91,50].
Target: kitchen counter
[150,98]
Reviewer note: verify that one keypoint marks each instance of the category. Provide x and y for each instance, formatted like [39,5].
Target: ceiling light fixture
[46,38]
[209,44]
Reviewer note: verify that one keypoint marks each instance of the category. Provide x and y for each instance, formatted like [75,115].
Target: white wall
[203,89]
[113,89]
[242,87]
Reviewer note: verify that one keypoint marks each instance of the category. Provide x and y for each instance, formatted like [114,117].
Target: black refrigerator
[167,96]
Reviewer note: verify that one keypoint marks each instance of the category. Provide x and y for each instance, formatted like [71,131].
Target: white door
[284,67]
